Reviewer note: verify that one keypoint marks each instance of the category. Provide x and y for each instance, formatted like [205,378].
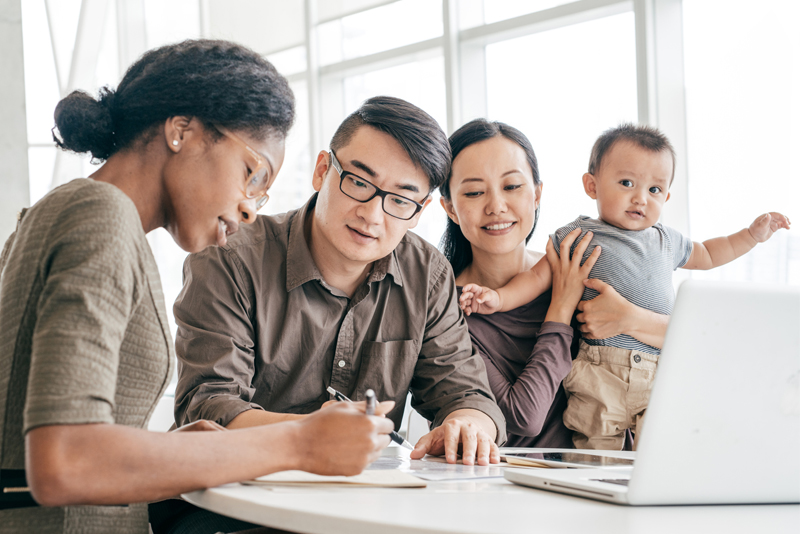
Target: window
[169,22]
[477,12]
[42,85]
[50,30]
[290,61]
[382,28]
[561,71]
[293,187]
[403,82]
[743,121]
[562,88]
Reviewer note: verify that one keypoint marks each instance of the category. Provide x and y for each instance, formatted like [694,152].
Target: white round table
[475,506]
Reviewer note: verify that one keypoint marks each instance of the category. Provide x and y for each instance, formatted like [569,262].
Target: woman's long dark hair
[217,82]
[454,245]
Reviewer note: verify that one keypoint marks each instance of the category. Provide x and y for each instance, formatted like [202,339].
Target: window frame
[659,64]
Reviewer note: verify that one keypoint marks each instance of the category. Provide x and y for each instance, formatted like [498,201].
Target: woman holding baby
[492,199]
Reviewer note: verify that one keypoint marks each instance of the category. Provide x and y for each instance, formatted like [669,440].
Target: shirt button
[636,358]
[342,364]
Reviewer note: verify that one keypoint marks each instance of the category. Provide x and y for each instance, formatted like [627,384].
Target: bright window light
[383,28]
[292,188]
[289,61]
[573,83]
[743,116]
[477,12]
[422,84]
[171,22]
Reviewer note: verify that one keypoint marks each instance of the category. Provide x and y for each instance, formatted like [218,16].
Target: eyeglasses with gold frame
[258,180]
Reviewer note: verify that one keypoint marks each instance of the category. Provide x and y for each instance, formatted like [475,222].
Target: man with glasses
[339,294]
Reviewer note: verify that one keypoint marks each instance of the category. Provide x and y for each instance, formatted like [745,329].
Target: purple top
[526,360]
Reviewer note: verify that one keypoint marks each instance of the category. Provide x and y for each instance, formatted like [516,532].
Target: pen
[393,435]
[369,396]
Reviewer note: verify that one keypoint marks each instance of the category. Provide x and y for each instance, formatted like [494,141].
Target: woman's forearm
[647,326]
[113,464]
[526,400]
[559,312]
[250,418]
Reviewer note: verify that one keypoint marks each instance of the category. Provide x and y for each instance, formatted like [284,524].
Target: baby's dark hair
[641,135]
[217,82]
[417,132]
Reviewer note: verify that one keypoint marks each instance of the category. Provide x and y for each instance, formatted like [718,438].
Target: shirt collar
[386,265]
[300,266]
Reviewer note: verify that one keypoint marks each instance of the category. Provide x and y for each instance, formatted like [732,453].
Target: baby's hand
[478,299]
[766,225]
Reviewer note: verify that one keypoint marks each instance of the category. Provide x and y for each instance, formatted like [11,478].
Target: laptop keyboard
[620,481]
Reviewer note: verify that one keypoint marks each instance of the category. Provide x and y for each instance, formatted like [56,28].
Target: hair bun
[86,124]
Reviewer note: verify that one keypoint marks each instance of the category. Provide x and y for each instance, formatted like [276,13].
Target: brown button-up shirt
[258,328]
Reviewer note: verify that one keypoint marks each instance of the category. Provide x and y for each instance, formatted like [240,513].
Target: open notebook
[389,478]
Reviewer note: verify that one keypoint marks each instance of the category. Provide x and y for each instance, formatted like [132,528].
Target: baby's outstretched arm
[522,289]
[721,250]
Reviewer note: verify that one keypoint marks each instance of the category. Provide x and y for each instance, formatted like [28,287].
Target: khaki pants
[608,390]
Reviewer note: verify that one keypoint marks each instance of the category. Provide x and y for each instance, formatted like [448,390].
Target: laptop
[723,423]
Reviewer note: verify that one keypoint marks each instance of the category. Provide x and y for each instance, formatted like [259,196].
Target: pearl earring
[174,142]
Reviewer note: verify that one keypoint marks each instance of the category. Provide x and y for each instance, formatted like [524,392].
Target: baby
[630,172]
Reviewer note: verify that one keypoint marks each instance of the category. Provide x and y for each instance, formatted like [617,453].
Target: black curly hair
[217,82]
[454,245]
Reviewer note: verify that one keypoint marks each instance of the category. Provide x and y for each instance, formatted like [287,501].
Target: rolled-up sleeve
[449,374]
[215,339]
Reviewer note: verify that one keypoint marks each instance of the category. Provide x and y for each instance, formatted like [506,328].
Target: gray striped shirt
[638,264]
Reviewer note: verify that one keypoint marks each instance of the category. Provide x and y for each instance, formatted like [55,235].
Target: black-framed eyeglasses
[362,190]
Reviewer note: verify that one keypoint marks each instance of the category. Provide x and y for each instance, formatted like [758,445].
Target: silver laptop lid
[723,423]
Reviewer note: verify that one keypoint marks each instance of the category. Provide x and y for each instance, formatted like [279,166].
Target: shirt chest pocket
[387,368]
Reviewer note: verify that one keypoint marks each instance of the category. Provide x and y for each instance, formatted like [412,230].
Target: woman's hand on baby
[569,274]
[766,225]
[479,299]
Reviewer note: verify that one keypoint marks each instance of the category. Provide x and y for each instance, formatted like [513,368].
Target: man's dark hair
[416,131]
[641,135]
[454,245]
[217,82]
